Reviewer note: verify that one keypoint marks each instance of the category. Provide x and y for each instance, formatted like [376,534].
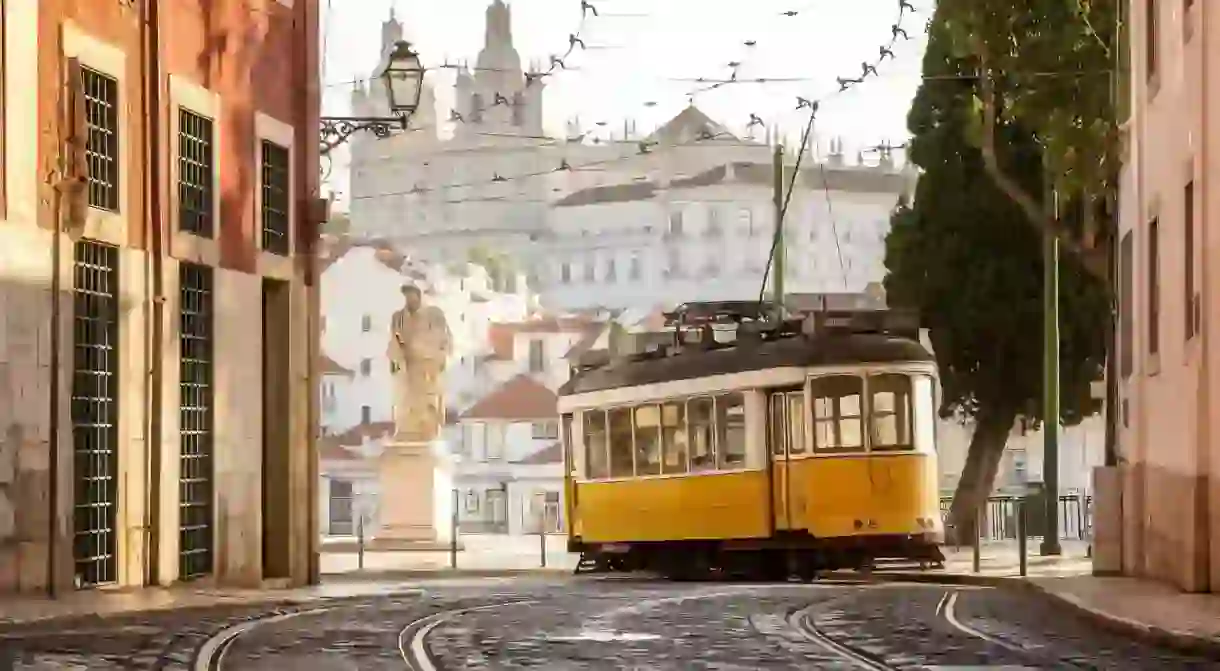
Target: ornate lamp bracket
[337,130]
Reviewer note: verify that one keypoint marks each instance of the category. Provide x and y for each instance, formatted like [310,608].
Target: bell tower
[496,95]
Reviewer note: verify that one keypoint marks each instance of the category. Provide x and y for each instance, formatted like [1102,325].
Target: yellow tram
[798,445]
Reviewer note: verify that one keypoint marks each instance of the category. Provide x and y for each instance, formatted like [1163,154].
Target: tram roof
[803,352]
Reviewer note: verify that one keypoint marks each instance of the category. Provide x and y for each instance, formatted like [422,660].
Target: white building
[542,348]
[361,288]
[509,474]
[396,182]
[648,218]
[705,232]
[1081,448]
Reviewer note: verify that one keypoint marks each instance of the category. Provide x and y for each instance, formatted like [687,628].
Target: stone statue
[419,347]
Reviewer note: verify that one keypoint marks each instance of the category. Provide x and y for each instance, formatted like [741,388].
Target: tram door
[777,441]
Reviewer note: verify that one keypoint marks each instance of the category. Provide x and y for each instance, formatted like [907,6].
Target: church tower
[495,96]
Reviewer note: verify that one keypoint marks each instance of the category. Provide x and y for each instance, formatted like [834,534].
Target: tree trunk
[978,475]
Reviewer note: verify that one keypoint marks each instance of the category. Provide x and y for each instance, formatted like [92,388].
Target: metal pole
[1050,414]
[1022,534]
[453,532]
[542,539]
[360,542]
[777,275]
[53,432]
[978,537]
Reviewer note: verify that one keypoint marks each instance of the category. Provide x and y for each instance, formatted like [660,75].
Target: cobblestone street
[577,623]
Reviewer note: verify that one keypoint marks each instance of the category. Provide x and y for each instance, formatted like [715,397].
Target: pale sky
[640,49]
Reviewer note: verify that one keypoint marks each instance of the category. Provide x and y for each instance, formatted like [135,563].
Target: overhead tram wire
[650,148]
[867,69]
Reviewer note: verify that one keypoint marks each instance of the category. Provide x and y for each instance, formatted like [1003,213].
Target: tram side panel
[830,496]
[693,507]
[905,496]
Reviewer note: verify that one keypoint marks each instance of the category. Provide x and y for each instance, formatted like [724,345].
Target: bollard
[542,540]
[360,542]
[978,538]
[453,532]
[1022,538]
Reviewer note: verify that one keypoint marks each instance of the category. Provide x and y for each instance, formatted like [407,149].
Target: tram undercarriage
[771,559]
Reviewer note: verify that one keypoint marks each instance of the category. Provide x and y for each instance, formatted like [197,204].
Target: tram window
[566,437]
[779,432]
[597,456]
[621,443]
[923,402]
[674,439]
[702,440]
[731,430]
[889,412]
[796,423]
[648,440]
[838,421]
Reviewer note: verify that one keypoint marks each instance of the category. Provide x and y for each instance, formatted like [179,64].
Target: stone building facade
[1159,515]
[157,406]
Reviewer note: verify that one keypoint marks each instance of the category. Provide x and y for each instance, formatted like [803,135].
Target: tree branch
[1029,205]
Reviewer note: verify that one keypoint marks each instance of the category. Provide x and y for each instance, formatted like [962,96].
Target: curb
[441,573]
[1180,641]
[928,578]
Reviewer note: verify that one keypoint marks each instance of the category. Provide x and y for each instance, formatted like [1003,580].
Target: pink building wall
[1168,440]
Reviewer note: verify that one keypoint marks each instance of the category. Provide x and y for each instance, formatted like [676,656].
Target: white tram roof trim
[719,384]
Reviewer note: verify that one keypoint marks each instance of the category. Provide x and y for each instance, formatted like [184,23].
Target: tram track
[413,638]
[804,623]
[946,610]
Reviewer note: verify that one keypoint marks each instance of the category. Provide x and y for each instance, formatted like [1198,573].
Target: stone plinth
[406,509]
[1107,521]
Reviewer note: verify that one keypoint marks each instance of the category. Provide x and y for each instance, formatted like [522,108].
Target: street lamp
[402,74]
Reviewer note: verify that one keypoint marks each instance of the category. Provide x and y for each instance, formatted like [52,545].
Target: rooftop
[848,179]
[521,398]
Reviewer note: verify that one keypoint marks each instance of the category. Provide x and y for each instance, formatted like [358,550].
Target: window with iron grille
[275,198]
[195,182]
[95,411]
[102,147]
[195,411]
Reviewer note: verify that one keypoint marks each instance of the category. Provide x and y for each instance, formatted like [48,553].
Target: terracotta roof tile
[501,334]
[332,452]
[687,125]
[355,436]
[586,342]
[551,454]
[328,366]
[521,398]
[384,252]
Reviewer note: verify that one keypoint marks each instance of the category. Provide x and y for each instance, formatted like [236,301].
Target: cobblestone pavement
[571,623]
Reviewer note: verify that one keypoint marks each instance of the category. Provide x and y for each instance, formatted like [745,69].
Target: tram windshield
[879,412]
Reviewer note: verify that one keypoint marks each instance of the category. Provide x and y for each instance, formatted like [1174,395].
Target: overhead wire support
[867,70]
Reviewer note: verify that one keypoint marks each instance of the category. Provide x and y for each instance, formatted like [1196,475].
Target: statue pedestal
[406,473]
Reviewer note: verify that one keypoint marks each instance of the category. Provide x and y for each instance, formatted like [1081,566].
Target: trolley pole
[1050,367]
[777,275]
[453,532]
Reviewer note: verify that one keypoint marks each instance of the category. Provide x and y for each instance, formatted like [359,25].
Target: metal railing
[999,517]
